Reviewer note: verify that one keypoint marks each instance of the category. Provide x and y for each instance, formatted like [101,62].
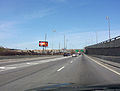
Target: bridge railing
[113,42]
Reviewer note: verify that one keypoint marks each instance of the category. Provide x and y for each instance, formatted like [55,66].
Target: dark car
[66,54]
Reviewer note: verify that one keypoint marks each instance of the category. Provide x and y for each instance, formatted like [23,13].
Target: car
[74,55]
[66,54]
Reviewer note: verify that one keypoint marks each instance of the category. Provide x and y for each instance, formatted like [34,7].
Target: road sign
[76,50]
[81,50]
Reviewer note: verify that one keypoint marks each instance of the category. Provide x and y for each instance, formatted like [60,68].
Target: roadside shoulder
[115,64]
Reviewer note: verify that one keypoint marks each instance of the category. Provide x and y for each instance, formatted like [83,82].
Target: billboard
[43,43]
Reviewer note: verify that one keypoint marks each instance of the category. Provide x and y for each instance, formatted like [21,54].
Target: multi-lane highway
[83,70]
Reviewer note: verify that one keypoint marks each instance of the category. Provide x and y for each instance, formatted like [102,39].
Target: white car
[74,55]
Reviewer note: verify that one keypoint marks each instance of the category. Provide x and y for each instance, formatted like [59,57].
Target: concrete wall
[114,42]
[109,48]
[104,51]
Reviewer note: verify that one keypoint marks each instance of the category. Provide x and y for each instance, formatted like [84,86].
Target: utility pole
[107,17]
[52,42]
[52,47]
[59,46]
[64,42]
[96,38]
[45,40]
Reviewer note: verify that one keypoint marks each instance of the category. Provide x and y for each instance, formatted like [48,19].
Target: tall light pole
[45,44]
[45,36]
[96,38]
[45,39]
[64,42]
[52,42]
[52,46]
[59,46]
[107,17]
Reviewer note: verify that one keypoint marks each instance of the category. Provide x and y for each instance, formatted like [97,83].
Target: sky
[24,22]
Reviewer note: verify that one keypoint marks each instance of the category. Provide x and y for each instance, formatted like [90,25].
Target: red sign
[43,43]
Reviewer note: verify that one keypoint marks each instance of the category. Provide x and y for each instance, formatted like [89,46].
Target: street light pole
[107,17]
[52,47]
[64,42]
[52,42]
[96,38]
[59,46]
[45,40]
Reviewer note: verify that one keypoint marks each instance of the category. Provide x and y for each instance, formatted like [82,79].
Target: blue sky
[24,22]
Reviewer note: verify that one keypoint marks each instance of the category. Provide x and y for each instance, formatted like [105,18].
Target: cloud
[37,14]
[24,45]
[6,26]
[81,39]
[7,29]
[75,40]
[89,38]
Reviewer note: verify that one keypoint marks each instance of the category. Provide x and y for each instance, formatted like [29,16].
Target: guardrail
[113,42]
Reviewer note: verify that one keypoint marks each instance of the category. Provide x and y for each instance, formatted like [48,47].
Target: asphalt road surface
[83,70]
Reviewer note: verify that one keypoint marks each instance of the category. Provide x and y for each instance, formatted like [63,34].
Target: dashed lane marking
[14,66]
[61,68]
[6,68]
[71,61]
[2,67]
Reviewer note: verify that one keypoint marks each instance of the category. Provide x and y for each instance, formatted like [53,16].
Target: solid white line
[27,63]
[32,63]
[10,67]
[2,67]
[6,68]
[71,61]
[105,66]
[61,68]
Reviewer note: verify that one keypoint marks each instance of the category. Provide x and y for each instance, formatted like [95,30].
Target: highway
[83,70]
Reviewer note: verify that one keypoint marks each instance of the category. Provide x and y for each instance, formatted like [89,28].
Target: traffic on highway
[59,45]
[58,73]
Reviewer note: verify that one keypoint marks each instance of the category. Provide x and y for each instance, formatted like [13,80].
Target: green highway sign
[81,50]
[76,50]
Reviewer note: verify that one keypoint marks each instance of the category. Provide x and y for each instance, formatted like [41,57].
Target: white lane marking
[71,61]
[32,63]
[14,66]
[105,66]
[6,68]
[61,68]
[2,67]
[27,63]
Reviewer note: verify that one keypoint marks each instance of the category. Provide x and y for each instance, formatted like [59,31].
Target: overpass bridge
[109,47]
